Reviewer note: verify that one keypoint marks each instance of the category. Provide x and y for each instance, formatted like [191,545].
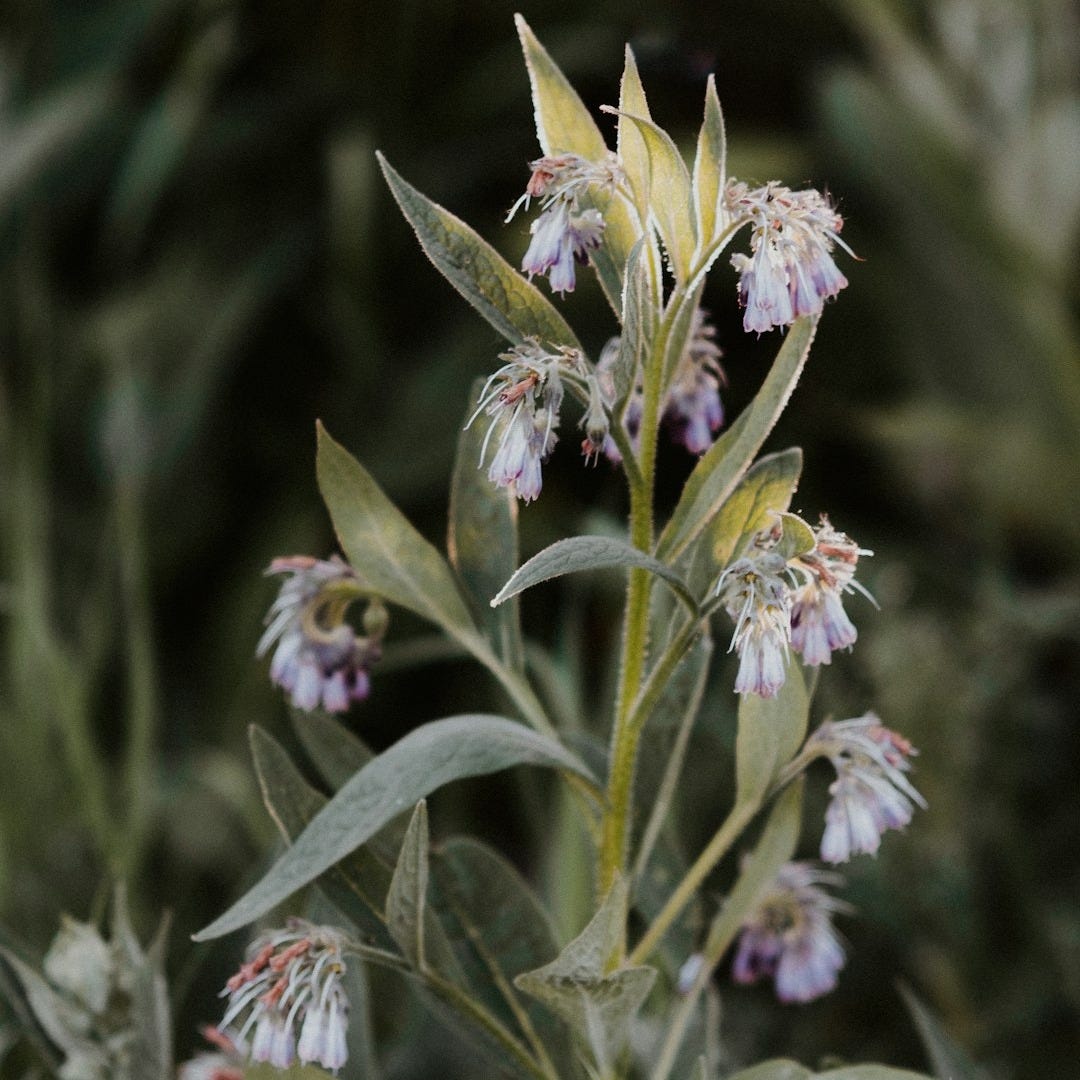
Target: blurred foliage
[189,226]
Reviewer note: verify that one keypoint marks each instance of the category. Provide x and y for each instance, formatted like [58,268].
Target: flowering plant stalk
[630,995]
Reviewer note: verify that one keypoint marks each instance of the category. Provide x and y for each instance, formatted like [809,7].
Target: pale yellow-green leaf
[709,169]
[633,153]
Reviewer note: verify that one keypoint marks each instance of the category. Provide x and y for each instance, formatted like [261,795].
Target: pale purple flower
[754,591]
[319,659]
[289,995]
[692,409]
[523,399]
[871,793]
[790,937]
[790,272]
[819,624]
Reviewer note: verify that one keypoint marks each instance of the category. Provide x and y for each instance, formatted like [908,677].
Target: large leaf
[507,299]
[416,765]
[669,195]
[764,491]
[406,899]
[950,1062]
[718,472]
[335,751]
[495,919]
[578,553]
[387,553]
[482,539]
[564,125]
[770,732]
[577,986]
[710,167]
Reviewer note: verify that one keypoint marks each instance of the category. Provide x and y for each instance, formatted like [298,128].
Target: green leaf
[774,1070]
[588,553]
[759,869]
[389,556]
[637,326]
[407,897]
[334,750]
[949,1060]
[710,169]
[564,125]
[764,491]
[721,468]
[416,765]
[871,1072]
[796,537]
[771,730]
[630,144]
[482,540]
[597,1005]
[669,195]
[296,1072]
[496,920]
[507,299]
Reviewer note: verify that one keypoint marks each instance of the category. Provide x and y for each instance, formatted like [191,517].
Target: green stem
[717,848]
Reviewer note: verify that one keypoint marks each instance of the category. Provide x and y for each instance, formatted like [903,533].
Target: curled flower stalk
[319,660]
[288,996]
[790,938]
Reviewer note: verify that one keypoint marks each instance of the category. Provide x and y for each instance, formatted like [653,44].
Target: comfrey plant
[633,993]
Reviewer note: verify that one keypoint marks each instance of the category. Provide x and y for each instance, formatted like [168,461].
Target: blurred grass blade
[949,1061]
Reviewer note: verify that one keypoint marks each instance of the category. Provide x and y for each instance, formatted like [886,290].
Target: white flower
[790,936]
[319,659]
[871,793]
[292,983]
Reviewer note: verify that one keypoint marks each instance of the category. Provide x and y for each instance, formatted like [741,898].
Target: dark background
[198,258]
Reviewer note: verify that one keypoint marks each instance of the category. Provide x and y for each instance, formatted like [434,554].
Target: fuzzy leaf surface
[407,896]
[507,299]
[722,466]
[424,760]
[578,553]
[387,553]
[710,169]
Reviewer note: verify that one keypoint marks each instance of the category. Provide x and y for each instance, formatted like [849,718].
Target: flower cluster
[291,983]
[565,232]
[790,271]
[319,659]
[790,935]
[692,410]
[224,1063]
[779,603]
[871,792]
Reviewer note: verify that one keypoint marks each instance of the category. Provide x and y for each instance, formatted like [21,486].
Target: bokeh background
[198,258]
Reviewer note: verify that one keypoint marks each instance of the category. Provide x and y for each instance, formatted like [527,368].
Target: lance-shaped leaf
[762,493]
[771,730]
[387,553]
[564,125]
[482,539]
[416,765]
[334,750]
[588,553]
[507,299]
[783,1069]
[759,869]
[406,899]
[710,167]
[630,143]
[670,200]
[949,1060]
[720,469]
[597,1004]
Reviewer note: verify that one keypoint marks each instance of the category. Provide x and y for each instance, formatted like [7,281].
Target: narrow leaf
[710,167]
[669,195]
[771,730]
[630,143]
[872,1072]
[588,553]
[407,896]
[387,553]
[507,299]
[334,750]
[949,1060]
[482,539]
[422,761]
[718,472]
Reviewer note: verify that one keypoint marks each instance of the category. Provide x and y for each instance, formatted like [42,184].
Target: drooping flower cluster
[692,409]
[289,997]
[790,271]
[320,659]
[871,792]
[523,399]
[565,232]
[779,603]
[790,936]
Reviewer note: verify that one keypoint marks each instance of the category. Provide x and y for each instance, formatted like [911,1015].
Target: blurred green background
[198,258]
